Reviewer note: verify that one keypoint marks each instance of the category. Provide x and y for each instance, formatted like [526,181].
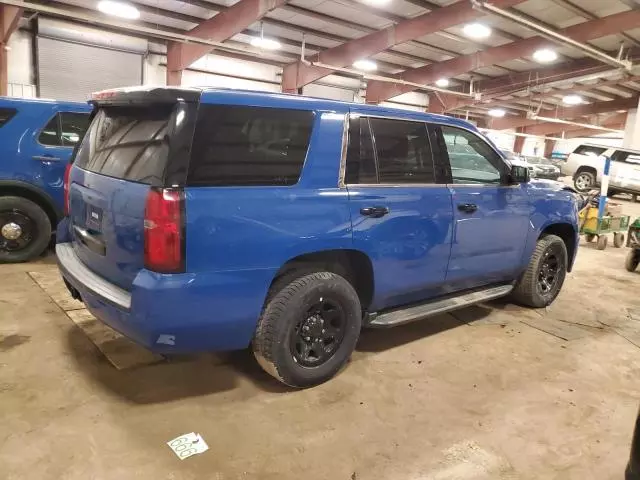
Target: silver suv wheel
[584,181]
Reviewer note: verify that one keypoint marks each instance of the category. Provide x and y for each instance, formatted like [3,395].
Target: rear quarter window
[6,114]
[589,150]
[242,146]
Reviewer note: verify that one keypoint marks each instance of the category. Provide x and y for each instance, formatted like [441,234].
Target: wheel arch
[354,265]
[30,192]
[569,236]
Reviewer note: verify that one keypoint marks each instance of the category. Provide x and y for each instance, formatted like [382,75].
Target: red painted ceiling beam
[565,113]
[380,91]
[298,74]
[9,20]
[219,28]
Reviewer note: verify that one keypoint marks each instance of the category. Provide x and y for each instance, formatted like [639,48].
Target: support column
[519,144]
[9,19]
[549,145]
[174,58]
[4,74]
[632,130]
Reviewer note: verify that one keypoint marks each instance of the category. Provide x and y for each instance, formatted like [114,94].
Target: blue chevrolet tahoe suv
[37,138]
[208,219]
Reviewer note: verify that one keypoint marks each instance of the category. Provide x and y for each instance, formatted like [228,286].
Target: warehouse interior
[491,391]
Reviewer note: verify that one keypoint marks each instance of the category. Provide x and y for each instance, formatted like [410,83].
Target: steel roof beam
[565,113]
[299,74]
[379,92]
[218,28]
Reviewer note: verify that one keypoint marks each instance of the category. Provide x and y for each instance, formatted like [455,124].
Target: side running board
[416,312]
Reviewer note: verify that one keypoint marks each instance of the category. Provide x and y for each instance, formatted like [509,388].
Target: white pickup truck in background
[586,166]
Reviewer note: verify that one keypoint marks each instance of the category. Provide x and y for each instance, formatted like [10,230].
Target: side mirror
[519,174]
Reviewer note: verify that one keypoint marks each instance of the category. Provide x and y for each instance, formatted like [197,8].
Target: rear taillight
[67,172]
[163,231]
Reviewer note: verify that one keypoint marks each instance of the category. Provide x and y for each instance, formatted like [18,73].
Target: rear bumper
[184,313]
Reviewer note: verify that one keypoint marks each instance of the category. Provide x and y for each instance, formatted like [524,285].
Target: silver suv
[586,165]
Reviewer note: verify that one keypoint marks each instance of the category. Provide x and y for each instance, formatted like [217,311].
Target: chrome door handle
[46,158]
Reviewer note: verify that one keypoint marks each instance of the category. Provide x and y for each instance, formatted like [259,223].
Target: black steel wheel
[308,328]
[319,334]
[25,230]
[550,269]
[542,281]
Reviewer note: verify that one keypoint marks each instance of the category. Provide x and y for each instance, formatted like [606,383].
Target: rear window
[242,146]
[6,114]
[129,143]
[590,151]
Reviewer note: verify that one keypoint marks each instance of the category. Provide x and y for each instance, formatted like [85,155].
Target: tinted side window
[237,145]
[6,114]
[50,134]
[403,151]
[361,163]
[626,157]
[472,159]
[591,151]
[72,128]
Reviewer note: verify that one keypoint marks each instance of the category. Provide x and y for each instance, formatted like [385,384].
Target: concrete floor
[495,392]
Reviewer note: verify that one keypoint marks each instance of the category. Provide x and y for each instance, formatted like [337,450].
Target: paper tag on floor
[188,444]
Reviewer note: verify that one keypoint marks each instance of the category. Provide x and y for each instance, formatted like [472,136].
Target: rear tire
[25,230]
[584,181]
[618,239]
[308,329]
[541,282]
[632,261]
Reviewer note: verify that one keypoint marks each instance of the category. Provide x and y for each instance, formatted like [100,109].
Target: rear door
[401,216]
[124,153]
[491,219]
[52,145]
[625,170]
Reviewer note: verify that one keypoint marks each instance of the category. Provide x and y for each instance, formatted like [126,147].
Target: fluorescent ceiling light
[476,30]
[266,43]
[442,83]
[572,99]
[545,55]
[497,112]
[119,9]
[365,65]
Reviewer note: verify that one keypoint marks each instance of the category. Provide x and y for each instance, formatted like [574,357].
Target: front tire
[25,230]
[541,282]
[308,329]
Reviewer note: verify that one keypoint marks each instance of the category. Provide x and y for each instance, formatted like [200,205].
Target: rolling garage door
[72,71]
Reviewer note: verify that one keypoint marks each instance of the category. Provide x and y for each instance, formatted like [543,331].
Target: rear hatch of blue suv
[125,226]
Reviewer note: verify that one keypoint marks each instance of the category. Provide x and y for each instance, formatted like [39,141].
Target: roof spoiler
[145,96]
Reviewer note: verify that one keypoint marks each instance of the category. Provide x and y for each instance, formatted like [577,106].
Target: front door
[401,217]
[491,218]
